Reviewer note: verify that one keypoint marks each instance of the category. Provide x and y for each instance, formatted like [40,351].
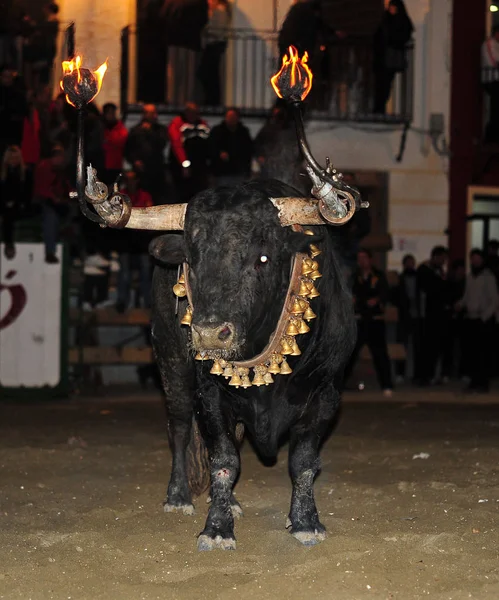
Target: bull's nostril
[224,334]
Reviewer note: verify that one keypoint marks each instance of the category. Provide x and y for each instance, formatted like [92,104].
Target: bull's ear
[299,242]
[168,249]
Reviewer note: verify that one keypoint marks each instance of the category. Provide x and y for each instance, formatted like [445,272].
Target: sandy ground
[81,516]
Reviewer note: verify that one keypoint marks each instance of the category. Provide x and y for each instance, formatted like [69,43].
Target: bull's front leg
[218,433]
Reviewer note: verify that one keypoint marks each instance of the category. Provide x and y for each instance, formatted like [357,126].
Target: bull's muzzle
[213,337]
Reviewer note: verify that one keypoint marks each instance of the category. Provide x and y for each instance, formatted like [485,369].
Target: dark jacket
[238,146]
[303,27]
[432,292]
[189,141]
[374,285]
[405,296]
[147,145]
[391,38]
[13,110]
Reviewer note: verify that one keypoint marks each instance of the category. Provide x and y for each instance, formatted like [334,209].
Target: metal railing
[344,78]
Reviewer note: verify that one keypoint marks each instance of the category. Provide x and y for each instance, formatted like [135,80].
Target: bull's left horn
[307,211]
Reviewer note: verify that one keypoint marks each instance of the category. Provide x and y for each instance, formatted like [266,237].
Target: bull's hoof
[186,509]
[310,537]
[206,542]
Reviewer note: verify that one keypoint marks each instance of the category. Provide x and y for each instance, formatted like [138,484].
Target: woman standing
[215,44]
[390,40]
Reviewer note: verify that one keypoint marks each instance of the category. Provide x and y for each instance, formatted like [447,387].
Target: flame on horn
[294,80]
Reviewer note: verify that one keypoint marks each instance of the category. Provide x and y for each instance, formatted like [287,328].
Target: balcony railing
[344,78]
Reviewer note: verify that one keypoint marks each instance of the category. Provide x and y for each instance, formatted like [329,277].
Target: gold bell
[187,318]
[315,275]
[303,291]
[313,293]
[297,308]
[181,279]
[179,290]
[304,304]
[228,372]
[314,251]
[309,314]
[307,266]
[292,329]
[296,349]
[308,232]
[286,347]
[315,265]
[236,380]
[274,368]
[258,379]
[268,378]
[285,368]
[200,356]
[303,327]
[216,369]
[246,382]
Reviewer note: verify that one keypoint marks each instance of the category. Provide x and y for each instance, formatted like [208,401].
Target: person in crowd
[490,82]
[144,151]
[115,137]
[389,51]
[405,298]
[231,150]
[189,152]
[14,195]
[13,110]
[454,351]
[276,151]
[215,44]
[31,142]
[480,303]
[432,295]
[42,47]
[133,248]
[51,190]
[492,258]
[370,295]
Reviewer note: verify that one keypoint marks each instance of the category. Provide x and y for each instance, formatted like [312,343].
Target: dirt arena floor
[409,493]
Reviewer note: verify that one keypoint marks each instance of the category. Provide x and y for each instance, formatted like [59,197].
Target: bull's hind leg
[224,466]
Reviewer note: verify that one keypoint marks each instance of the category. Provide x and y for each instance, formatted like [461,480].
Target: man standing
[370,294]
[144,151]
[231,150]
[490,82]
[480,301]
[189,151]
[115,137]
[432,295]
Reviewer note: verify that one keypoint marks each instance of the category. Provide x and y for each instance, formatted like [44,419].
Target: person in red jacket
[30,145]
[115,137]
[189,152]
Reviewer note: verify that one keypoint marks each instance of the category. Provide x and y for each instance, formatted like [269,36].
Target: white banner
[30,318]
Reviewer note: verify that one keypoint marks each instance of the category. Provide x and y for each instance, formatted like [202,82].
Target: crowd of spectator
[448,321]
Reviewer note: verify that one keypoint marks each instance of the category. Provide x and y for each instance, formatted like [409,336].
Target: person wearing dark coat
[231,150]
[13,110]
[144,151]
[390,40]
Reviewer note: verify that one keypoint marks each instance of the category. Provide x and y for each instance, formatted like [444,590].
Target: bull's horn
[308,211]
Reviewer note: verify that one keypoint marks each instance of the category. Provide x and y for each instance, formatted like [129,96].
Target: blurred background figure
[480,303]
[15,195]
[370,295]
[41,48]
[490,82]
[454,354]
[390,40]
[144,151]
[189,152]
[13,109]
[115,137]
[215,45]
[231,150]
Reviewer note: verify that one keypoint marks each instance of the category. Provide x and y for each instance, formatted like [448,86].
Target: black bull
[235,294]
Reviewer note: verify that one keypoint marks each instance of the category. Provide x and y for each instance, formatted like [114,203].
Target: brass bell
[200,356]
[223,363]
[285,368]
[228,372]
[308,232]
[315,275]
[296,349]
[286,347]
[274,368]
[314,251]
[216,369]
[187,318]
[303,291]
[303,327]
[268,378]
[307,266]
[258,379]
[181,279]
[309,314]
[297,308]
[313,293]
[315,265]
[292,329]
[236,380]
[246,382]
[179,290]
[304,304]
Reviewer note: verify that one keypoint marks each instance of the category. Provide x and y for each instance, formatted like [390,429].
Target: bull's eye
[261,261]
[264,259]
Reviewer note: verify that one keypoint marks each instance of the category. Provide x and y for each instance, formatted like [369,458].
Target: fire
[79,83]
[294,80]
